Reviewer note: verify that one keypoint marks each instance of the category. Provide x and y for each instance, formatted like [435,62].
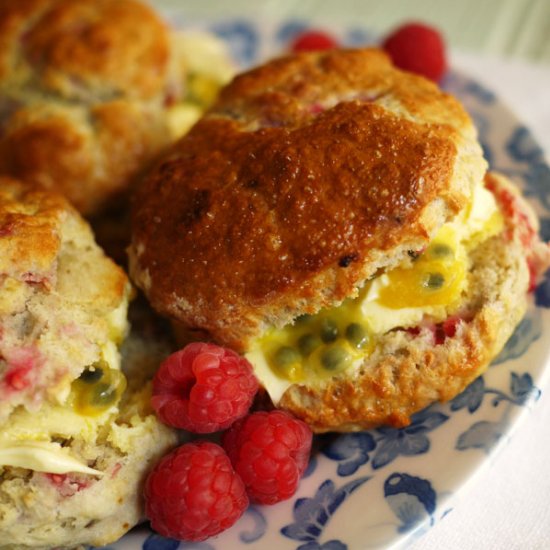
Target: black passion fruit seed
[440,250]
[334,358]
[286,356]
[308,343]
[91,375]
[94,372]
[329,331]
[357,335]
[104,395]
[434,281]
[303,319]
[93,397]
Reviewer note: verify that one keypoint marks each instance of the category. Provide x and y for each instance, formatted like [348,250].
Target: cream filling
[476,223]
[26,439]
[42,456]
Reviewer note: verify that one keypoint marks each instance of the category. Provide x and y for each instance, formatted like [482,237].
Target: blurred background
[504,44]
[509,28]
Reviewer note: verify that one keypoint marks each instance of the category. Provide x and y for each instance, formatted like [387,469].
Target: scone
[329,218]
[74,446]
[88,90]
[43,510]
[63,303]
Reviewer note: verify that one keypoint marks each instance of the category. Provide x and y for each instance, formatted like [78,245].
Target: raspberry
[68,484]
[446,329]
[270,451]
[311,41]
[203,388]
[193,493]
[417,48]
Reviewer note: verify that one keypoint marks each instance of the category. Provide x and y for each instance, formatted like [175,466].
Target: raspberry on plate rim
[270,451]
[312,40]
[194,493]
[418,48]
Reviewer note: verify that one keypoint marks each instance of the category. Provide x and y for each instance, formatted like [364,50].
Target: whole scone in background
[84,87]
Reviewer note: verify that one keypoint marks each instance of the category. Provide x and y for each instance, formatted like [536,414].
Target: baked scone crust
[84,85]
[83,48]
[410,370]
[62,301]
[308,175]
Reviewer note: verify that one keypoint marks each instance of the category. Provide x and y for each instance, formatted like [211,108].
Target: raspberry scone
[74,445]
[90,93]
[329,218]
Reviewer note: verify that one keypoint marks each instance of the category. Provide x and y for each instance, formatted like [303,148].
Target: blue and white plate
[377,488]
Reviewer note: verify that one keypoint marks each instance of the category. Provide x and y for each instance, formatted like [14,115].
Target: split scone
[329,217]
[88,90]
[74,445]
[63,303]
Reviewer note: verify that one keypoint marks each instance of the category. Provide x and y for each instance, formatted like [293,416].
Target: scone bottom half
[329,218]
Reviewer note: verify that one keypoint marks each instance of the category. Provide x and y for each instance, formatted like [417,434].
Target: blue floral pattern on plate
[312,514]
[412,499]
[397,473]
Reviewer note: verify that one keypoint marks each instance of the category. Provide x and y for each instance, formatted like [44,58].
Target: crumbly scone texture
[84,86]
[62,301]
[43,511]
[409,370]
[307,176]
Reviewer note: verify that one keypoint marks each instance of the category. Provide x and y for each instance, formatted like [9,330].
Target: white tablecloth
[507,506]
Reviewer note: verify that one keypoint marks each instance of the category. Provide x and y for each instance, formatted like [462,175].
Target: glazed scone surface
[308,175]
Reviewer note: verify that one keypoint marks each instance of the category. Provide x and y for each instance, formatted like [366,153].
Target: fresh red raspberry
[193,493]
[203,388]
[270,451]
[313,40]
[417,48]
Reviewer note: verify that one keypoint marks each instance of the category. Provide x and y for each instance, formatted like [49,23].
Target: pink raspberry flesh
[194,493]
[203,388]
[270,451]
[418,48]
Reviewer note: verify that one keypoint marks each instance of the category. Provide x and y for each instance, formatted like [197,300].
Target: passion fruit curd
[97,389]
[430,284]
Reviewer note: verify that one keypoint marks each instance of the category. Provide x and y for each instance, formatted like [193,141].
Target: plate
[380,488]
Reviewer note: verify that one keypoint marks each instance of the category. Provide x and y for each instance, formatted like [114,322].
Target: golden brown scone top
[84,86]
[308,175]
[83,49]
[91,154]
[29,237]
[37,228]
